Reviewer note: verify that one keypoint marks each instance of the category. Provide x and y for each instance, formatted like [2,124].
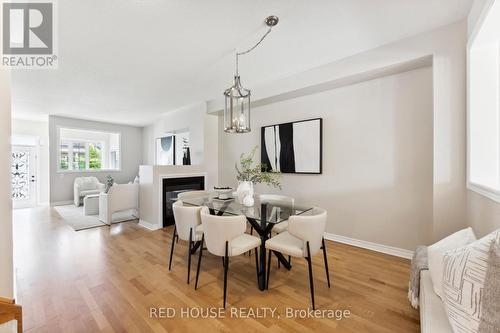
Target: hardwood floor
[107,280]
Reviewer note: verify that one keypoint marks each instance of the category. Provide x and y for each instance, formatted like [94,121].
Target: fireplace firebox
[172,187]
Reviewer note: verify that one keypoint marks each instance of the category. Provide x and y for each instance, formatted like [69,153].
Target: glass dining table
[262,216]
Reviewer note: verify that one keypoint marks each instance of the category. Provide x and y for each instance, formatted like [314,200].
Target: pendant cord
[250,49]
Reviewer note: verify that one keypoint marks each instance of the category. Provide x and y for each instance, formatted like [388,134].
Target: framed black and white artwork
[173,149]
[295,147]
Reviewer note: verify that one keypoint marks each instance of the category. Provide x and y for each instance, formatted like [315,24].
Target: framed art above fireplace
[295,147]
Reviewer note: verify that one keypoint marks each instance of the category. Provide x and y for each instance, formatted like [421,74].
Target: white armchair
[120,197]
[86,186]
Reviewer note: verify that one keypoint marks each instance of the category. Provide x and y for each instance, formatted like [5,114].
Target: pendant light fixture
[237,98]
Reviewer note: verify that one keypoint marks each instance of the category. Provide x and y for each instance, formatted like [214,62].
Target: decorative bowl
[223,192]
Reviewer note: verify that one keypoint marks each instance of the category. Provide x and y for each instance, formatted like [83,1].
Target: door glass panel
[20,175]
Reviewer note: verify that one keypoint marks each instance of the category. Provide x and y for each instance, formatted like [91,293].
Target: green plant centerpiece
[249,173]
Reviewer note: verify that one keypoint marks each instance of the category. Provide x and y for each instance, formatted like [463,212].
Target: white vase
[248,201]
[244,189]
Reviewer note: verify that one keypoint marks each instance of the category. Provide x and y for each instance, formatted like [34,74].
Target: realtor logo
[28,34]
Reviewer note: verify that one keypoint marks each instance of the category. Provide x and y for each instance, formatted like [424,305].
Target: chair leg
[257,264]
[199,262]
[251,233]
[326,262]
[290,260]
[226,267]
[311,283]
[189,253]
[268,268]
[222,261]
[172,250]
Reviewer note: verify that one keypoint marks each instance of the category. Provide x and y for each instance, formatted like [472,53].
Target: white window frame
[87,169]
[485,183]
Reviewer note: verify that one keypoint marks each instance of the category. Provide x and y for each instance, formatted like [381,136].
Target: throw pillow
[463,282]
[437,250]
[490,307]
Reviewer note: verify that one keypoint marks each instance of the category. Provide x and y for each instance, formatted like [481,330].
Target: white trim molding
[393,251]
[61,203]
[488,192]
[147,225]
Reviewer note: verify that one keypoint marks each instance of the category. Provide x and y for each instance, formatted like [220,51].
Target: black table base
[263,228]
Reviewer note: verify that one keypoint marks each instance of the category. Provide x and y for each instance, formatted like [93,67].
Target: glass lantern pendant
[237,108]
[237,98]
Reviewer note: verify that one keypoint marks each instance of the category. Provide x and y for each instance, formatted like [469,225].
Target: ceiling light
[237,98]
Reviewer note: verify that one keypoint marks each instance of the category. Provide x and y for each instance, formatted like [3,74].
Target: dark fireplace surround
[171,187]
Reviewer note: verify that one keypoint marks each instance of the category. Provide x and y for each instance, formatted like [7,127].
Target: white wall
[39,129]
[191,118]
[203,130]
[61,183]
[377,157]
[446,46]
[6,255]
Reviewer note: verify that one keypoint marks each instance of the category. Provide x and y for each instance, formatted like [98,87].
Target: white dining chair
[266,198]
[303,239]
[191,194]
[278,227]
[225,237]
[188,228]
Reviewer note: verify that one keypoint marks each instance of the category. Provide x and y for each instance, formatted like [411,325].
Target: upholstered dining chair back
[221,229]
[186,217]
[191,194]
[264,198]
[309,228]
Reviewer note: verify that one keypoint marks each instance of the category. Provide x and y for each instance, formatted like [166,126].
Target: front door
[24,177]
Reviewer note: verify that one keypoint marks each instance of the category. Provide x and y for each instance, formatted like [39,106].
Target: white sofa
[86,186]
[120,197]
[433,317]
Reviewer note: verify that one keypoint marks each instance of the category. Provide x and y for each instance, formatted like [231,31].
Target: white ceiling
[128,61]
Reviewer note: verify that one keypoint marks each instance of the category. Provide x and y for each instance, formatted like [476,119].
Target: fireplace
[171,188]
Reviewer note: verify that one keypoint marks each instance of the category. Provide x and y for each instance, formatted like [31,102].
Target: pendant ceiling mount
[272,20]
[237,98]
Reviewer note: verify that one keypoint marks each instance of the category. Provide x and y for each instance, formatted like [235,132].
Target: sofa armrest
[76,194]
[104,208]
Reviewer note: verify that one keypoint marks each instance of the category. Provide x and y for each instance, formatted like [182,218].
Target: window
[83,150]
[483,106]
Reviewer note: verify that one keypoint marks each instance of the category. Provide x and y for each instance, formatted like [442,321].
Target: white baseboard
[147,225]
[393,251]
[61,203]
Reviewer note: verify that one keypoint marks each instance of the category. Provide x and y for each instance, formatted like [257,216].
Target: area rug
[75,217]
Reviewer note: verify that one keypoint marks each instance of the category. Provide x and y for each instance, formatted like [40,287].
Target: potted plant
[250,173]
[109,182]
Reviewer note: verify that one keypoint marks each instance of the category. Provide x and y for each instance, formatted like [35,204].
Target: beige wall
[446,46]
[61,183]
[377,157]
[39,129]
[6,264]
[190,118]
[203,131]
[483,214]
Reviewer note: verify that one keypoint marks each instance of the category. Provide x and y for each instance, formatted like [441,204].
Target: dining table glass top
[269,211]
